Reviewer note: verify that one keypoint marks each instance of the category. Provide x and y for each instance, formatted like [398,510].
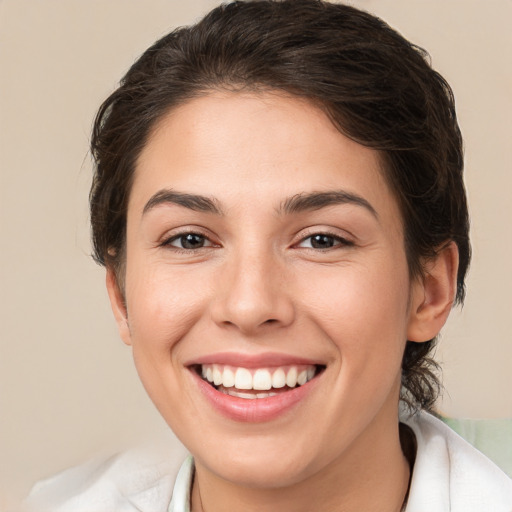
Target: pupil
[322,241]
[192,241]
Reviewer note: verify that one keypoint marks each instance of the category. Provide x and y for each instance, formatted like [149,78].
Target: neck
[373,475]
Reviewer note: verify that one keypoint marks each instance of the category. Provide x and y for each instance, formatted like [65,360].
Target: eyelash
[338,241]
[169,241]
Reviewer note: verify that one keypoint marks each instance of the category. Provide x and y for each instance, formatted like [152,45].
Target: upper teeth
[257,378]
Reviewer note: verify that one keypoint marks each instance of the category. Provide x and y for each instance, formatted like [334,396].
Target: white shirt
[449,476]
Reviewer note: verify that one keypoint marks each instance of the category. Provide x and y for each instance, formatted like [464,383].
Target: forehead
[255,148]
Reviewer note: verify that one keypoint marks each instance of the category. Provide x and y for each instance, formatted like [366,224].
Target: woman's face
[264,248]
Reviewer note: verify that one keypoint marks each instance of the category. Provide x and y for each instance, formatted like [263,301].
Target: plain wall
[68,388]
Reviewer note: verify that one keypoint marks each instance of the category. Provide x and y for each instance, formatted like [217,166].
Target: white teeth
[302,377]
[279,379]
[265,395]
[262,380]
[228,378]
[239,394]
[217,375]
[243,379]
[250,396]
[291,377]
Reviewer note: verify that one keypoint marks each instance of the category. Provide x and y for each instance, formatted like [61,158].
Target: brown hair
[376,87]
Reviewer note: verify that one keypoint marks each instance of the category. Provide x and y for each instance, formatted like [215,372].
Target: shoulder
[449,474]
[137,480]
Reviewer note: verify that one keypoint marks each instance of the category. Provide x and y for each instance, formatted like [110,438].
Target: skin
[259,286]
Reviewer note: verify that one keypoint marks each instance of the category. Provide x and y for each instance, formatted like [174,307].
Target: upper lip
[263,360]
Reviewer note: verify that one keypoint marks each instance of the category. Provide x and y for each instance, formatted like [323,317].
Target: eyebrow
[295,204]
[317,200]
[194,202]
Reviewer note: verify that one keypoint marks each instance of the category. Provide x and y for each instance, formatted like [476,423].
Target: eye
[323,241]
[189,241]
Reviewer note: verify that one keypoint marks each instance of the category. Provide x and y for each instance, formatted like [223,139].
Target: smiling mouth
[256,383]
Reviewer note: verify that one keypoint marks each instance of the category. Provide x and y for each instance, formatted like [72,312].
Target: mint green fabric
[492,437]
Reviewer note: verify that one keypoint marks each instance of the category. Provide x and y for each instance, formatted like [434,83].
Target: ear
[118,306]
[433,295]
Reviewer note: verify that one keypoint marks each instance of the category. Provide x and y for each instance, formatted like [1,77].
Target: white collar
[180,501]
[448,475]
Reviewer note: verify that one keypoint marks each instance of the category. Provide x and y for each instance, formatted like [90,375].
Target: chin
[262,472]
[266,461]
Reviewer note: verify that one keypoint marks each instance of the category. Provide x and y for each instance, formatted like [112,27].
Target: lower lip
[257,410]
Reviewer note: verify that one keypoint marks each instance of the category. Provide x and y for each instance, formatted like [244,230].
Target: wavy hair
[377,88]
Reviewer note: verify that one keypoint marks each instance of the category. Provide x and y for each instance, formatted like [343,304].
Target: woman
[278,202]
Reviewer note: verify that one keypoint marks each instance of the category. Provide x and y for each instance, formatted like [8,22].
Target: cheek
[364,312]
[163,305]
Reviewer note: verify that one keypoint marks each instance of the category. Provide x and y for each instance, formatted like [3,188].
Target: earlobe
[433,295]
[118,306]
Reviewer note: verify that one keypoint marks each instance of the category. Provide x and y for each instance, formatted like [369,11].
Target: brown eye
[323,241]
[189,241]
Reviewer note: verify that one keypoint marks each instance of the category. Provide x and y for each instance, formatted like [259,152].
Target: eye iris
[192,241]
[322,241]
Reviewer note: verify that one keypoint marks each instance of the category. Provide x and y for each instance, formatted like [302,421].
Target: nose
[252,294]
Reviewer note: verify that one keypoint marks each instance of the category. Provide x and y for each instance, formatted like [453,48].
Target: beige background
[67,385]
